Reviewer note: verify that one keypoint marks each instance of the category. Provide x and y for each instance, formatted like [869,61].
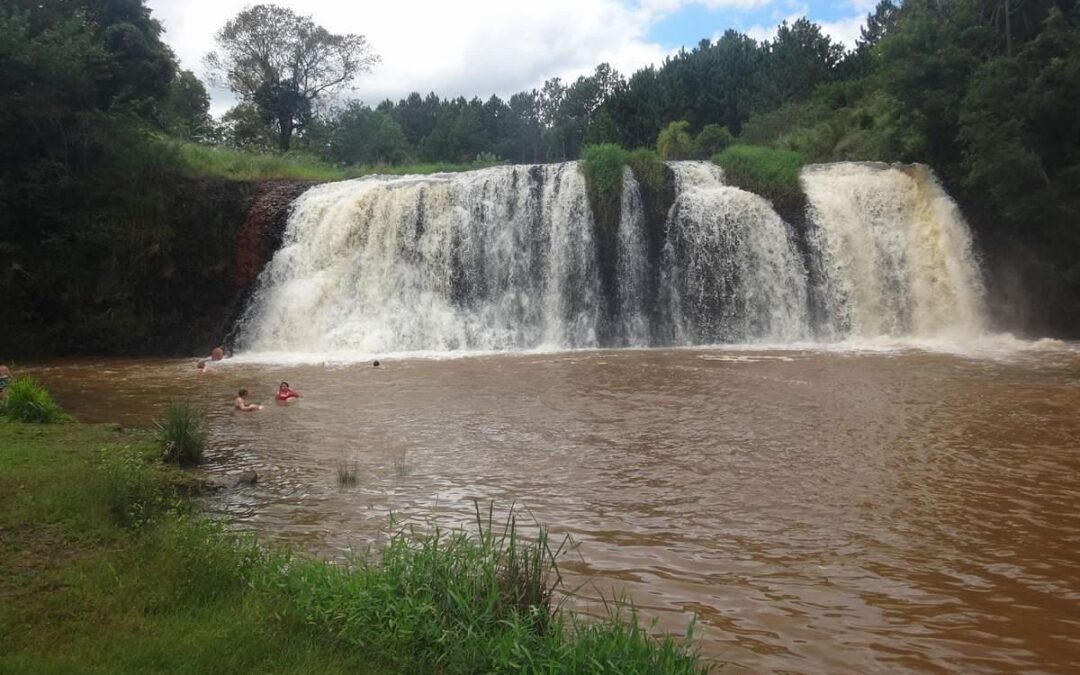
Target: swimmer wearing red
[285,393]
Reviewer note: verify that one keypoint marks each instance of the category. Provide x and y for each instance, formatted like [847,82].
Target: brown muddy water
[818,511]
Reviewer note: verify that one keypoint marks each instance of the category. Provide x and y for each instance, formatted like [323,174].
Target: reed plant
[28,401]
[182,434]
[348,474]
[474,600]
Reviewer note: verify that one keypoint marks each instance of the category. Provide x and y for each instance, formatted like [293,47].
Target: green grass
[105,569]
[215,162]
[602,166]
[769,172]
[348,474]
[650,170]
[28,401]
[182,434]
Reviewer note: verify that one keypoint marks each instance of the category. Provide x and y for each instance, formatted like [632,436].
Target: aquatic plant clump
[348,474]
[182,434]
[28,401]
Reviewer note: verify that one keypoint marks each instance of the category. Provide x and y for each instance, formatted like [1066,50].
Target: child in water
[203,368]
[240,403]
[285,393]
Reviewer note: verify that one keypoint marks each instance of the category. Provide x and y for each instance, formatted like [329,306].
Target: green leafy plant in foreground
[468,601]
[182,434]
[28,401]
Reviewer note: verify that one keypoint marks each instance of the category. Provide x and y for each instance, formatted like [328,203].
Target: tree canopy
[282,63]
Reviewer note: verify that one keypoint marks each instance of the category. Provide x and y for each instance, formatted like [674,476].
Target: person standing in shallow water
[240,402]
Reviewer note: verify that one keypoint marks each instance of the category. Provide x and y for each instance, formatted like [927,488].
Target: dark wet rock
[247,478]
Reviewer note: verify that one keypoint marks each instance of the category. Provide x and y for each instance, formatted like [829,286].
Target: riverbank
[107,566]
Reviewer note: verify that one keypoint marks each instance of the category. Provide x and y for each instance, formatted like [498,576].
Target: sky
[483,47]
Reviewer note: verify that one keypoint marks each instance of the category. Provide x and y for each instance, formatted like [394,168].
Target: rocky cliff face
[165,276]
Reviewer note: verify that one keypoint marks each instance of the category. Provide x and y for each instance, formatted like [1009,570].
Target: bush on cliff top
[769,172]
[602,166]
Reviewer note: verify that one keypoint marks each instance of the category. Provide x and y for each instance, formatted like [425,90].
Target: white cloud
[466,48]
[479,47]
[668,6]
[844,30]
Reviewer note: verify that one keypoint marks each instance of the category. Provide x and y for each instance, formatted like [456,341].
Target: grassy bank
[196,159]
[105,568]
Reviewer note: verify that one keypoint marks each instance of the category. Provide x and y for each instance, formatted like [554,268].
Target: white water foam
[505,259]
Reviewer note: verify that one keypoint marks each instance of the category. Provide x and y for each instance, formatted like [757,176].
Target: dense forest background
[116,226]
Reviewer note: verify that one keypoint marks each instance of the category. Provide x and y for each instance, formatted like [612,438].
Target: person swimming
[285,393]
[203,368]
[240,402]
[217,353]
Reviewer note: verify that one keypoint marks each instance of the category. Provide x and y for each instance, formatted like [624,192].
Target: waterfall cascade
[506,258]
[892,254]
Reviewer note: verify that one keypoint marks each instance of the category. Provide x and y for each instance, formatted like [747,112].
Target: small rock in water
[247,478]
[212,486]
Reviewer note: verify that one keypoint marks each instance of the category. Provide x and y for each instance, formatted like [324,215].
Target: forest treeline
[95,234]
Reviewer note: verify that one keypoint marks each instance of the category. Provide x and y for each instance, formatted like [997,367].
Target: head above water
[242,393]
[283,385]
[375,364]
[201,365]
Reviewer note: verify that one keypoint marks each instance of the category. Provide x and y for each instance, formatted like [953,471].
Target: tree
[283,63]
[361,135]
[674,141]
[186,110]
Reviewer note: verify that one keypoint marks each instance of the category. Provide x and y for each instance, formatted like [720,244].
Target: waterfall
[506,258]
[891,253]
[500,258]
[633,265]
[731,270]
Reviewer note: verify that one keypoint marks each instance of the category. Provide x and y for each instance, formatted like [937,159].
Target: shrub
[603,168]
[182,434]
[136,491]
[713,138]
[674,141]
[28,401]
[649,169]
[769,172]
